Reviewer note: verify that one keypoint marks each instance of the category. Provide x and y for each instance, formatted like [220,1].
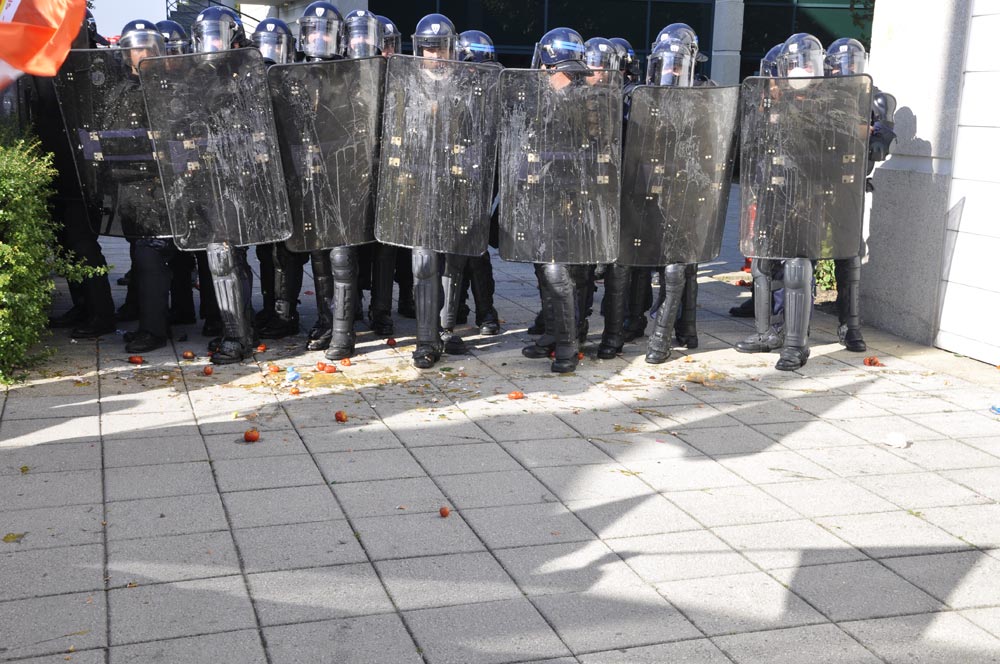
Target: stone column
[727,40]
[909,213]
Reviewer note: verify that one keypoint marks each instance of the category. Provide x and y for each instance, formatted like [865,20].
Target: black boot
[407,307]
[483,289]
[427,300]
[451,282]
[341,290]
[380,311]
[563,297]
[769,334]
[324,277]
[616,278]
[848,275]
[658,349]
[798,311]
[686,325]
[287,284]
[639,298]
[231,281]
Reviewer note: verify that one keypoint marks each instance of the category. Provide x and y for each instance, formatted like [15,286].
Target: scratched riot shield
[438,154]
[101,102]
[680,146]
[560,164]
[328,116]
[216,147]
[802,170]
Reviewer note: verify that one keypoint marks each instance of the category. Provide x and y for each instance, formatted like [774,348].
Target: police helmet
[214,30]
[671,63]
[321,31]
[844,57]
[392,39]
[601,54]
[769,63]
[174,37]
[801,55]
[435,34]
[274,40]
[557,46]
[362,34]
[142,34]
[476,46]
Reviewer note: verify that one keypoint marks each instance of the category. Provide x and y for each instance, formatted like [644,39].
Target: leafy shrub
[824,275]
[29,252]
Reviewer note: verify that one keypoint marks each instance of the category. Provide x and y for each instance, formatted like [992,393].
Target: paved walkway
[707,510]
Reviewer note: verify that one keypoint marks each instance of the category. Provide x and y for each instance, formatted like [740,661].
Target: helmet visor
[800,63]
[364,37]
[444,47]
[846,62]
[149,40]
[212,36]
[672,66]
[596,58]
[273,46]
[319,37]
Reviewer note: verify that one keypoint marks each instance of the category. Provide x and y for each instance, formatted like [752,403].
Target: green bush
[29,253]
[824,275]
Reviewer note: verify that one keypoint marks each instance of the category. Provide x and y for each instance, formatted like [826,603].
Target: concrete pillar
[909,214]
[727,40]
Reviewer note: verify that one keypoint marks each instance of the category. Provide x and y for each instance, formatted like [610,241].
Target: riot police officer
[215,30]
[560,284]
[151,256]
[474,46]
[846,57]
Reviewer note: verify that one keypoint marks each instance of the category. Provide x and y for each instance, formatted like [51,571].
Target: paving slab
[526,525]
[448,580]
[410,535]
[685,555]
[241,647]
[54,624]
[380,639]
[173,558]
[926,638]
[604,619]
[274,507]
[185,608]
[159,481]
[964,580]
[697,651]
[295,546]
[512,487]
[30,573]
[825,643]
[158,517]
[318,593]
[492,632]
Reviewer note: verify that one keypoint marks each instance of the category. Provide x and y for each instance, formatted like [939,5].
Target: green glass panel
[830,24]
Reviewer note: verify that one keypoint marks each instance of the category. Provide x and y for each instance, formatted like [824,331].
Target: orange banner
[35,35]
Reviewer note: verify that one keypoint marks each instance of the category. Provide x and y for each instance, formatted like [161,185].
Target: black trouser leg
[181,293]
[639,299]
[380,311]
[265,256]
[616,281]
[847,271]
[563,296]
[130,307]
[404,277]
[231,281]
[151,272]
[658,348]
[451,283]
[766,336]
[480,273]
[342,288]
[686,326]
[427,300]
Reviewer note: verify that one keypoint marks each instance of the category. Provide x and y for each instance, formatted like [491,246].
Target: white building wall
[969,321]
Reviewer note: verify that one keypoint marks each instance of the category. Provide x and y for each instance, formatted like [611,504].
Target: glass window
[602,18]
[763,27]
[513,25]
[830,24]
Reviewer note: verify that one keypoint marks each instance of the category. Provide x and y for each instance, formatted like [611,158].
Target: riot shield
[680,146]
[105,117]
[438,155]
[216,147]
[327,116]
[560,161]
[802,171]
